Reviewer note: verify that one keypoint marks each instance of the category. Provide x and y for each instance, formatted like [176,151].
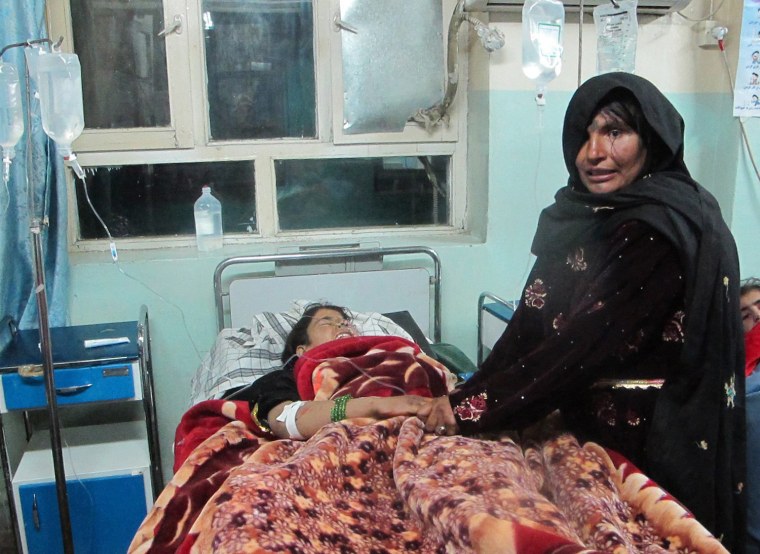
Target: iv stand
[46,345]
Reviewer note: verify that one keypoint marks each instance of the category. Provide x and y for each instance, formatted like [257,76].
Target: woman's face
[750,304]
[326,325]
[612,157]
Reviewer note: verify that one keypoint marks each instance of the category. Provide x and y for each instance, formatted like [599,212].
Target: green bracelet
[338,411]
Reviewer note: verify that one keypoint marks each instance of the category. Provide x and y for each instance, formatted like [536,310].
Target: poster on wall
[747,87]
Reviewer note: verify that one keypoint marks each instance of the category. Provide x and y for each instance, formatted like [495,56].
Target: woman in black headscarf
[636,279]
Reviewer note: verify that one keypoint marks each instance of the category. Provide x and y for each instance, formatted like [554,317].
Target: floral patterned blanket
[372,487]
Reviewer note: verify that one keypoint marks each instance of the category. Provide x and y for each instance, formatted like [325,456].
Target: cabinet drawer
[73,386]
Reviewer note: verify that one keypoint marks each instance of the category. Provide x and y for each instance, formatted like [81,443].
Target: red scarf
[752,349]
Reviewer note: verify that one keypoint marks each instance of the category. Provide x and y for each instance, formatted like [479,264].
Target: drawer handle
[68,391]
[35,513]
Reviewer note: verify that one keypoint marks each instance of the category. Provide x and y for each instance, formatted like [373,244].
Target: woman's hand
[439,417]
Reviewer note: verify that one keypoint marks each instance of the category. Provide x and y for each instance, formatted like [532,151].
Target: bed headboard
[363,279]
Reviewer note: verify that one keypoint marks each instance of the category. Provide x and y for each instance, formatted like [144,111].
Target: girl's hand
[386,407]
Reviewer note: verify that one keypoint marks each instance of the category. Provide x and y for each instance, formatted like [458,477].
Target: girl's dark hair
[749,285]
[622,105]
[298,334]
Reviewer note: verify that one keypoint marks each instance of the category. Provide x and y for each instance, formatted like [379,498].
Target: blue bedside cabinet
[108,430]
[107,482]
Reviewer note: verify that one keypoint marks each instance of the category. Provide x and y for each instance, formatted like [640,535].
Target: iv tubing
[580,43]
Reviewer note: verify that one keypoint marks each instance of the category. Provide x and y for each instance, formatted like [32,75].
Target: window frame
[188,139]
[179,133]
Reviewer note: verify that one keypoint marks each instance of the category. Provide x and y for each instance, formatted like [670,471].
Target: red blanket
[370,366]
[387,486]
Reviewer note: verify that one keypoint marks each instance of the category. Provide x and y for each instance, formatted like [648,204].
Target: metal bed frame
[327,255]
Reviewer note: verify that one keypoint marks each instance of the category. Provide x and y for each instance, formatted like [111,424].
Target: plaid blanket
[370,487]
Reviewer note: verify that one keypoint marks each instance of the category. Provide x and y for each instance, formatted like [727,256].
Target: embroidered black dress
[640,283]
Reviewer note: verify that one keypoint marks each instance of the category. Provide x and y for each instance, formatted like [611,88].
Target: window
[246,96]
[157,199]
[260,70]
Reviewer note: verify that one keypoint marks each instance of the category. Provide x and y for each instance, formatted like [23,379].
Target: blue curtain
[36,184]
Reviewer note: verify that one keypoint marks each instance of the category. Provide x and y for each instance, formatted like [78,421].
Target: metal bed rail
[481,301]
[331,253]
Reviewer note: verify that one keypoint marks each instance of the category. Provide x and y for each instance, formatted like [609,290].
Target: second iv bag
[543,23]
[11,115]
[59,79]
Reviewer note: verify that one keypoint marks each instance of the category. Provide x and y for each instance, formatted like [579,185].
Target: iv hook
[175,27]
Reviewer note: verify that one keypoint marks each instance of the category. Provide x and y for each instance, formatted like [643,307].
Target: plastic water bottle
[542,33]
[59,79]
[208,221]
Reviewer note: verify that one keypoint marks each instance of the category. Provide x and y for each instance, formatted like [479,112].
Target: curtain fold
[42,190]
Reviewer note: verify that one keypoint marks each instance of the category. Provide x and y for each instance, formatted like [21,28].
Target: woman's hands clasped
[436,413]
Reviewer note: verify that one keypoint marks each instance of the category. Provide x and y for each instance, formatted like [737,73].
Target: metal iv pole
[36,227]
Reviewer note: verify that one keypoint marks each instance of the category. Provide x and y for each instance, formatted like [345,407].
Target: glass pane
[362,192]
[260,67]
[124,78]
[157,200]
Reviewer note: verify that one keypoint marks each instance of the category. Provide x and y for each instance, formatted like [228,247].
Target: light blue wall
[525,168]
[746,226]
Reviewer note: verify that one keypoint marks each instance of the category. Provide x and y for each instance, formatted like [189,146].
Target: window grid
[189,140]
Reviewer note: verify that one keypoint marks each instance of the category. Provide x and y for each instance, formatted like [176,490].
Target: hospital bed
[259,298]
[382,486]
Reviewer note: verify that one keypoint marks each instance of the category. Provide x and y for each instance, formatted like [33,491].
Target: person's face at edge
[750,306]
[326,325]
[612,157]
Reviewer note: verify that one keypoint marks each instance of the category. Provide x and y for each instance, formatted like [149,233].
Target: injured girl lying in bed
[328,455]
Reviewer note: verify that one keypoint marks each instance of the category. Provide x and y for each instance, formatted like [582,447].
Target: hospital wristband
[288,417]
[338,411]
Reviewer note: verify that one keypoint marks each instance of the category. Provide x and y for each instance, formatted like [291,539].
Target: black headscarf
[705,393]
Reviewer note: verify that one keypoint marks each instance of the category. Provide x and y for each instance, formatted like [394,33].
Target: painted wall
[515,168]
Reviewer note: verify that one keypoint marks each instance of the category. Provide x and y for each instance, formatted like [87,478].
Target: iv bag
[59,78]
[616,34]
[543,23]
[11,110]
